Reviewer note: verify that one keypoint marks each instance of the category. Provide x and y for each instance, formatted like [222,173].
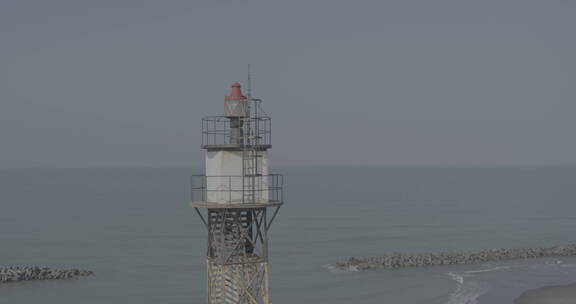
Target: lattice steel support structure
[233,198]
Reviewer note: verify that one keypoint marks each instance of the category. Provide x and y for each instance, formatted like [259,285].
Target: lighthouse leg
[265,294]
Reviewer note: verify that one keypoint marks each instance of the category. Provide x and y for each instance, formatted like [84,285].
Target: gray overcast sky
[125,83]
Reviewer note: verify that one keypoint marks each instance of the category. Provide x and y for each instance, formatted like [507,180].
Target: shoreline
[556,294]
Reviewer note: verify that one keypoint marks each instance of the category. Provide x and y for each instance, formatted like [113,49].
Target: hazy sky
[125,83]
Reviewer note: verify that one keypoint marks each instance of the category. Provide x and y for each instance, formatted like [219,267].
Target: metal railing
[235,189]
[216,131]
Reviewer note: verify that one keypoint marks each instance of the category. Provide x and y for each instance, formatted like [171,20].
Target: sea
[134,228]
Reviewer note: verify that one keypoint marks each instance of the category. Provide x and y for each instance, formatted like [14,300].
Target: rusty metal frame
[237,256]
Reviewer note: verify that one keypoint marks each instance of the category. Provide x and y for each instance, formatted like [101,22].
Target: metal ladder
[250,158]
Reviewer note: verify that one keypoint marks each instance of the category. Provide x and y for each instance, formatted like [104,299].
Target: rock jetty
[400,260]
[28,273]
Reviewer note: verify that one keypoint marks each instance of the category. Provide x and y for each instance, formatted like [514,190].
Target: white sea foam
[456,277]
[335,269]
[488,270]
[467,292]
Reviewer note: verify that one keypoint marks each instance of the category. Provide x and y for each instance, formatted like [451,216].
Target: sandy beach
[561,294]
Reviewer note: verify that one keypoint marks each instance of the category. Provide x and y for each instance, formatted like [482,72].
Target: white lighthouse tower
[233,198]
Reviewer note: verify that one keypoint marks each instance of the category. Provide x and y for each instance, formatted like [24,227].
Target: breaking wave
[335,269]
[467,291]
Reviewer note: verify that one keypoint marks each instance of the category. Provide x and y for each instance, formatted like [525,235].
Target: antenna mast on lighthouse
[233,198]
[249,91]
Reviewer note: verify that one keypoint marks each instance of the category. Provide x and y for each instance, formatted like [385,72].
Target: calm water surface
[133,227]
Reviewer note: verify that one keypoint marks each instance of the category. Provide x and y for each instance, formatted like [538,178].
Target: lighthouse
[237,200]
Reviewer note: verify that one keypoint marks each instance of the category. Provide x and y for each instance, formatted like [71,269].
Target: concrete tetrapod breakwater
[28,273]
[399,260]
